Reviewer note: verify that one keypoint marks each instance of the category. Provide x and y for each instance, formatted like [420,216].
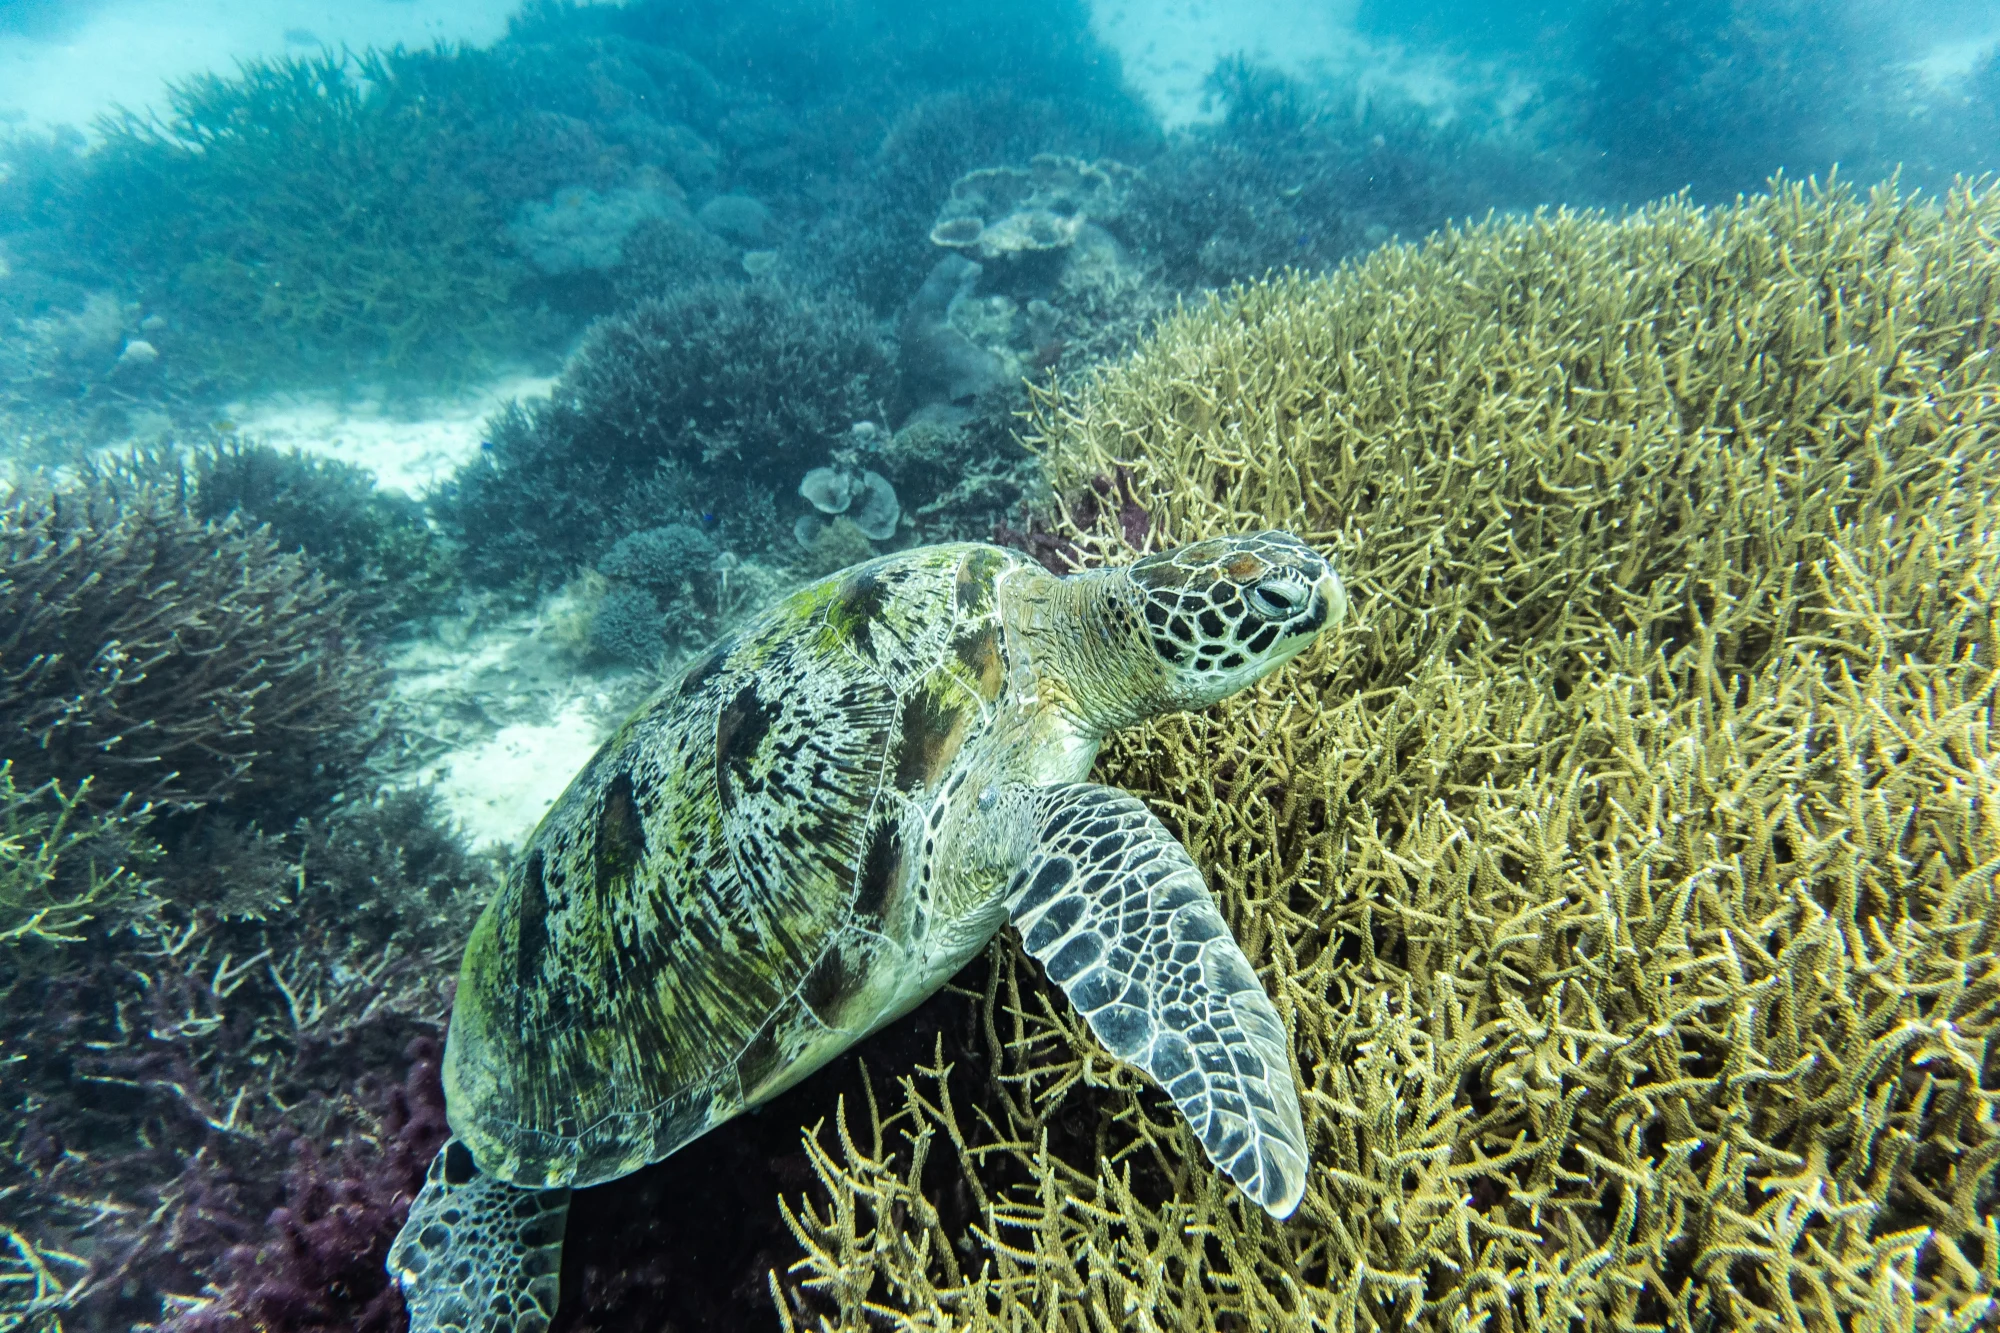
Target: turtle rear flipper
[1118,913]
[478,1255]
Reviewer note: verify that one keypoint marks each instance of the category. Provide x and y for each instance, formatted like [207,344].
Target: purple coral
[320,1262]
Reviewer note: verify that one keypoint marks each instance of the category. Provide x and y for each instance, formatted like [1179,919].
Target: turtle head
[1223,613]
[1175,630]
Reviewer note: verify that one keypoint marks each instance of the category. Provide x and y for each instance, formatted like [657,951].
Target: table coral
[1001,211]
[1623,870]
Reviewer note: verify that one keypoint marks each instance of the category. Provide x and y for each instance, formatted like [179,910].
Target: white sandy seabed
[499,710]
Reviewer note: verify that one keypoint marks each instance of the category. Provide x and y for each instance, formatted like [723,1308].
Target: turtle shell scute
[701,906]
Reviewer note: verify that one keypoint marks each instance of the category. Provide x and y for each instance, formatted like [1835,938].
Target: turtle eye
[1279,598]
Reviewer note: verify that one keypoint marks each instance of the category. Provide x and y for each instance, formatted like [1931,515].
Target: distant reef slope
[1623,869]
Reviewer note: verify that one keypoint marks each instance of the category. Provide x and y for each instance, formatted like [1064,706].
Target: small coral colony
[1620,869]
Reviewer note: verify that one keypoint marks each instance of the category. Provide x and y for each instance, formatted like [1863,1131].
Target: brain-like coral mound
[166,658]
[1622,869]
[661,557]
[579,228]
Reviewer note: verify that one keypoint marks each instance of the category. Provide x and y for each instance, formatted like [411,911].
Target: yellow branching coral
[54,876]
[1624,871]
[35,1283]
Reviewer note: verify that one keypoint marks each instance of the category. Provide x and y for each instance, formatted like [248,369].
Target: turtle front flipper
[478,1255]
[1116,911]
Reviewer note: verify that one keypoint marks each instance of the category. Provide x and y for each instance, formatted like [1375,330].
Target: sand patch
[497,716]
[408,451]
[498,791]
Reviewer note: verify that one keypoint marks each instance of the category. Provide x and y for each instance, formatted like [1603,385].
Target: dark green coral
[375,543]
[171,659]
[314,215]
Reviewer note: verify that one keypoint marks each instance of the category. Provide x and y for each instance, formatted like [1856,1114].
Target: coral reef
[321,1261]
[936,362]
[80,367]
[169,660]
[196,1060]
[410,215]
[627,625]
[997,212]
[1058,294]
[578,228]
[738,218]
[877,237]
[375,544]
[833,546]
[1618,870]
[1718,94]
[664,254]
[674,565]
[673,588]
[676,555]
[1295,175]
[310,209]
[1622,870]
[743,375]
[62,865]
[863,495]
[698,408]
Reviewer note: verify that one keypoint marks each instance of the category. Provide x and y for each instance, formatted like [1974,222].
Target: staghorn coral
[191,1063]
[694,408]
[35,1282]
[169,659]
[312,212]
[1623,871]
[61,866]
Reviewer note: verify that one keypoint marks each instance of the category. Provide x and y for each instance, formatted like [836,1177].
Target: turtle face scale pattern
[815,827]
[1224,612]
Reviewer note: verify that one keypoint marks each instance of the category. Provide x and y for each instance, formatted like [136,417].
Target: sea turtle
[812,829]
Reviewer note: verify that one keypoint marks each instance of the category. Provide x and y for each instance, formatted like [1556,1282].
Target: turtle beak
[1329,604]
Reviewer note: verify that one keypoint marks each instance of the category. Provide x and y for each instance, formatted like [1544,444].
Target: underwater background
[393,395]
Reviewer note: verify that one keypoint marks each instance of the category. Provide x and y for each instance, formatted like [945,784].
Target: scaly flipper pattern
[1117,912]
[478,1255]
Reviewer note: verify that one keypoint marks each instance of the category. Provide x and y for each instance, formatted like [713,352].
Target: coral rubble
[1623,871]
